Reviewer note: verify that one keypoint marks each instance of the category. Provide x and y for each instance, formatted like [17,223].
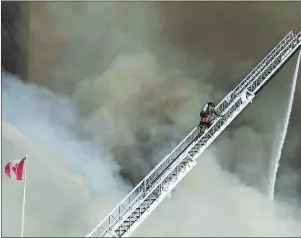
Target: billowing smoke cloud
[132,70]
[68,179]
[138,74]
[125,81]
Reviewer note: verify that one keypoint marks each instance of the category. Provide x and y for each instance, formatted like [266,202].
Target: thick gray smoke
[136,76]
[127,81]
[132,70]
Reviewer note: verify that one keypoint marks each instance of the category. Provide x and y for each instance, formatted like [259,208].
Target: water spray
[275,166]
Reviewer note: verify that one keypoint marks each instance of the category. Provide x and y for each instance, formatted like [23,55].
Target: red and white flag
[14,168]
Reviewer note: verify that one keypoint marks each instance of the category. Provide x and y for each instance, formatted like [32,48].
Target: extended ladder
[152,190]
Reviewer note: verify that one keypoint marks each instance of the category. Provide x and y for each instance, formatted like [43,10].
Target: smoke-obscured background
[113,86]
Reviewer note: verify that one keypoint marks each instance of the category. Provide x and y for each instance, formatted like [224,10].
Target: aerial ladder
[153,189]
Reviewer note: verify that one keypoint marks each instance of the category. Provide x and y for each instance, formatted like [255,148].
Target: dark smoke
[124,64]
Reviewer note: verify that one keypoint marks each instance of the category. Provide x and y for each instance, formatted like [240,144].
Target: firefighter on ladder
[206,116]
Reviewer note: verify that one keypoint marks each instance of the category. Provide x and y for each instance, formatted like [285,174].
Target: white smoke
[213,202]
[71,183]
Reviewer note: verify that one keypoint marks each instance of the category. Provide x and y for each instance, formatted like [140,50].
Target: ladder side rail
[153,179]
[181,158]
[154,192]
[218,122]
[219,127]
[262,63]
[157,201]
[293,39]
[136,206]
[233,111]
[165,179]
[274,66]
[236,108]
[163,164]
[232,94]
[258,69]
[235,93]
[158,194]
[294,45]
[119,211]
[207,134]
[154,185]
[110,228]
[278,62]
[261,81]
[116,214]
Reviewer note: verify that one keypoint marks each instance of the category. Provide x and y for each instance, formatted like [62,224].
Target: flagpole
[24,193]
